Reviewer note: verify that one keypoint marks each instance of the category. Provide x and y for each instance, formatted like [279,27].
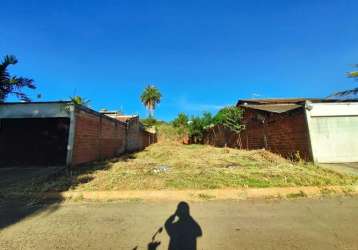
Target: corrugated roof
[279,100]
[274,108]
[290,100]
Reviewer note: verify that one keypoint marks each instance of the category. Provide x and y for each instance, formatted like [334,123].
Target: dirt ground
[329,223]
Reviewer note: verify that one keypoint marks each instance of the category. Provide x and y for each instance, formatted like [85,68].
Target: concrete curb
[209,194]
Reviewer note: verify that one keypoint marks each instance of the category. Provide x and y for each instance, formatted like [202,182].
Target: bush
[230,117]
[150,122]
[197,126]
[181,121]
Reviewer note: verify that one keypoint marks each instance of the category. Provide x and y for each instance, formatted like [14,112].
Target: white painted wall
[43,110]
[333,129]
[34,110]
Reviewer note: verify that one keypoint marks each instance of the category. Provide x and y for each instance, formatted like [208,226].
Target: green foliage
[198,124]
[181,121]
[80,100]
[196,129]
[354,75]
[150,98]
[11,84]
[207,120]
[151,121]
[230,117]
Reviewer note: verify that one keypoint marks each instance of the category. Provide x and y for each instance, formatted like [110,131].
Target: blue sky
[202,55]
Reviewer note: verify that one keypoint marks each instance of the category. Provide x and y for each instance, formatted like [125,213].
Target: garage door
[33,142]
[334,139]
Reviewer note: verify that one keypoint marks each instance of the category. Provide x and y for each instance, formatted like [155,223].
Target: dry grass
[197,167]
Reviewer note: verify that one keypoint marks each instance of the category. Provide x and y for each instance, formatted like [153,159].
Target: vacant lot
[167,165]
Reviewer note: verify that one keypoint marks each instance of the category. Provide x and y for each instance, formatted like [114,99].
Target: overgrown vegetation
[167,133]
[169,165]
[181,121]
[229,117]
[151,121]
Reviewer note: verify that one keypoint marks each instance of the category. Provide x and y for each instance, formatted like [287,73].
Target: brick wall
[284,134]
[97,137]
[148,138]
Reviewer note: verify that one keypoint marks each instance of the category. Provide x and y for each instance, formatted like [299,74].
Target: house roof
[281,105]
[281,100]
[291,100]
[274,108]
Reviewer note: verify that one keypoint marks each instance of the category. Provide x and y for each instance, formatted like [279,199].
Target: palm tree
[354,75]
[80,100]
[150,97]
[11,84]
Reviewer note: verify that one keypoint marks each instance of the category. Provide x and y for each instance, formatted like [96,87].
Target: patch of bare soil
[209,194]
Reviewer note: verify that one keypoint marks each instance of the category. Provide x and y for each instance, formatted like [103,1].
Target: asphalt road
[330,223]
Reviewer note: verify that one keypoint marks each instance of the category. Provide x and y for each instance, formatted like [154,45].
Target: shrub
[150,122]
[230,117]
[181,121]
[197,126]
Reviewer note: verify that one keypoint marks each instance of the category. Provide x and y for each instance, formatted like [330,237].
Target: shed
[325,131]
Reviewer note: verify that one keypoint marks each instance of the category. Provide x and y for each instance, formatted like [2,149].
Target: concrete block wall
[134,135]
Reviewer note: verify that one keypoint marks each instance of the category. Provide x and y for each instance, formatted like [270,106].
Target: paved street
[330,223]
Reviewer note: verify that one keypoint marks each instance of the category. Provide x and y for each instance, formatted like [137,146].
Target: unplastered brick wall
[285,134]
[97,137]
[148,138]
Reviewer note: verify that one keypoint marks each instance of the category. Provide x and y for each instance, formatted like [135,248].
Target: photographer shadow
[182,229]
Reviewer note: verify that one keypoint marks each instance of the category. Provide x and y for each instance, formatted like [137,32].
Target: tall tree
[80,100]
[11,84]
[354,75]
[150,98]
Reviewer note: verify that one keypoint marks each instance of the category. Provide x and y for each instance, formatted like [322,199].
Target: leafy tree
[231,118]
[207,119]
[354,75]
[150,98]
[11,84]
[196,129]
[80,100]
[198,124]
[181,121]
